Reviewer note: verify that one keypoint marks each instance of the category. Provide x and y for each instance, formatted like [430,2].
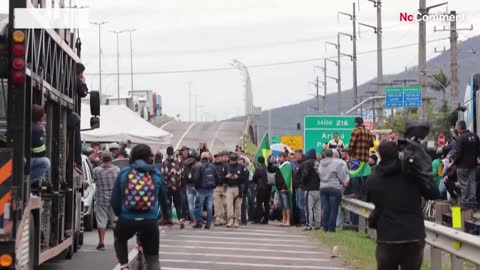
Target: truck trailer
[38,66]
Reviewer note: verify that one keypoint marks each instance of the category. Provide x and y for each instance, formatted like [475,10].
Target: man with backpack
[135,200]
[171,171]
[190,174]
[206,182]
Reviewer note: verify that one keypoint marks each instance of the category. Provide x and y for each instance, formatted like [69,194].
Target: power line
[261,65]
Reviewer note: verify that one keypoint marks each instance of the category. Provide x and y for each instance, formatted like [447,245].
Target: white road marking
[166,124]
[243,256]
[252,234]
[241,238]
[249,249]
[212,143]
[131,255]
[236,243]
[184,134]
[253,264]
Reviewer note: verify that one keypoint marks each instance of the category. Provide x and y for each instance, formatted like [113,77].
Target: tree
[440,82]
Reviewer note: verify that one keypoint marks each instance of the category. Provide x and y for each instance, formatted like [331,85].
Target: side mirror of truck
[94,103]
[94,122]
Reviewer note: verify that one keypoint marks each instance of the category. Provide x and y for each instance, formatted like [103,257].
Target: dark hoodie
[398,201]
[310,178]
[297,174]
[191,171]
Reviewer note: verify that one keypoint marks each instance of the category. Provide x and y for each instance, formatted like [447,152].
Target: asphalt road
[88,258]
[218,135]
[248,247]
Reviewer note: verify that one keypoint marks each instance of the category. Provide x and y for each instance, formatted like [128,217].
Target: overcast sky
[207,34]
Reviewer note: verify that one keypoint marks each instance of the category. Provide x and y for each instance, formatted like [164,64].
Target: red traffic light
[18,77]
[18,63]
[18,50]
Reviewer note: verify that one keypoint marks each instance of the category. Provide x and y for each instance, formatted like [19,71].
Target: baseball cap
[184,148]
[114,146]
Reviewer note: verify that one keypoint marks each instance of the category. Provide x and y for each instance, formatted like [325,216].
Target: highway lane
[222,135]
[248,247]
[87,256]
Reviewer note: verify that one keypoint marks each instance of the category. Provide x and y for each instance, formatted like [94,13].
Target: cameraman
[398,216]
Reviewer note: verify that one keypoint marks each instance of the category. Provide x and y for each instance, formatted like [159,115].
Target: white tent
[118,123]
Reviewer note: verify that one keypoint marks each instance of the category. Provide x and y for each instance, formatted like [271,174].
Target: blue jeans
[204,196]
[191,197]
[300,196]
[38,167]
[331,198]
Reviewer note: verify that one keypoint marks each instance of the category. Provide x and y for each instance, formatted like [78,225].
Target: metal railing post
[457,263]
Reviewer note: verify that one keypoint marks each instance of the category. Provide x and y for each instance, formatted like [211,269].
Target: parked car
[88,197]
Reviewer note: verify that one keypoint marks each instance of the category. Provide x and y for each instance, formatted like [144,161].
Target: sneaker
[207,227]
[101,247]
[229,225]
[197,226]
[307,229]
[203,222]
[182,226]
[192,222]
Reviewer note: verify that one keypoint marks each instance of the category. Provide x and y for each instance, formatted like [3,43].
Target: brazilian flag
[286,170]
[263,149]
[359,168]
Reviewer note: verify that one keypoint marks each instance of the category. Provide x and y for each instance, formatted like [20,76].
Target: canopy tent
[118,123]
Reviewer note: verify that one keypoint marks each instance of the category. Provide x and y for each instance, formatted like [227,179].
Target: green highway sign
[319,129]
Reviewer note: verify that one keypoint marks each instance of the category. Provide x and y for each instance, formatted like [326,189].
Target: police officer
[237,175]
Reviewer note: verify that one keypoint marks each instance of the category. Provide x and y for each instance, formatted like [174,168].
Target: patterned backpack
[140,191]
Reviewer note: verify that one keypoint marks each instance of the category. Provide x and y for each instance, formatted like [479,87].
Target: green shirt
[437,168]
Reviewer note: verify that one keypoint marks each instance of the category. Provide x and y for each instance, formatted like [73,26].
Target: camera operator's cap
[107,155]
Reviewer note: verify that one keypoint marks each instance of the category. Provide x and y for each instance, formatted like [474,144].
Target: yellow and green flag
[263,149]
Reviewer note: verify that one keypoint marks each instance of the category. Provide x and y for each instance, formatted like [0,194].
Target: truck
[37,66]
[470,110]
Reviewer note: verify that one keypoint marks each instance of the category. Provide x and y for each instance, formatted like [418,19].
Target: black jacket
[260,177]
[191,171]
[297,175]
[467,149]
[310,178]
[221,171]
[398,202]
[238,170]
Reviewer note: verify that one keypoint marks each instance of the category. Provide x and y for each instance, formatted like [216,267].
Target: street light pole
[118,63]
[131,60]
[99,24]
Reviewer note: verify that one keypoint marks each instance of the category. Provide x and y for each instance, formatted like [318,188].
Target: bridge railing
[459,245]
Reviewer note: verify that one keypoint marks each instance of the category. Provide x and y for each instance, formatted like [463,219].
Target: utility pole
[196,107]
[99,24]
[422,53]
[317,95]
[453,57]
[378,30]
[339,72]
[353,57]
[117,33]
[131,60]
[190,101]
[325,86]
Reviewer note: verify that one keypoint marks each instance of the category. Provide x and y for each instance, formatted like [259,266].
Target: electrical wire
[259,65]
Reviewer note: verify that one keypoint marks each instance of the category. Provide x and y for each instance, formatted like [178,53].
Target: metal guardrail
[460,245]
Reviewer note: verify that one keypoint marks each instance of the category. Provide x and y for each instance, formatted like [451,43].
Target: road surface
[248,247]
[218,135]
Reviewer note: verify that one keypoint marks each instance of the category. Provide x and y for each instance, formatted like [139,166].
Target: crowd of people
[232,188]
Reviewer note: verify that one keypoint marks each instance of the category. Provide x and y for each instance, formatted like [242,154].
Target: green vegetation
[356,249]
